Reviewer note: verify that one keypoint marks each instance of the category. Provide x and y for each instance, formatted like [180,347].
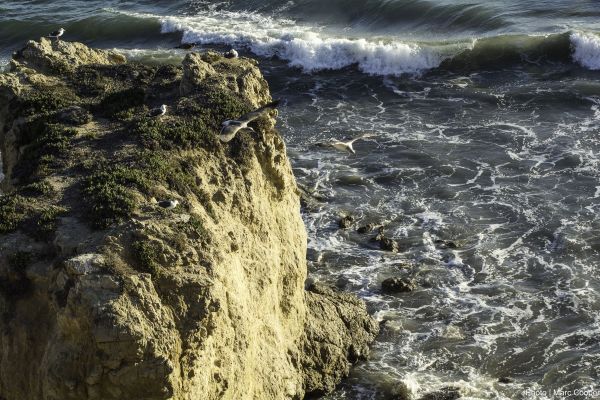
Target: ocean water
[487,116]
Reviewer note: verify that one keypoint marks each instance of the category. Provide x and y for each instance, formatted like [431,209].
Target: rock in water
[388,244]
[398,285]
[447,393]
[326,358]
[366,229]
[346,222]
[104,298]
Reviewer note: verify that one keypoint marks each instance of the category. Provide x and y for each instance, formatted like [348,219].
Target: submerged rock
[446,244]
[104,296]
[448,393]
[366,228]
[398,285]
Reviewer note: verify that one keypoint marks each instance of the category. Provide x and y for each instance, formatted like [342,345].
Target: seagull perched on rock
[231,127]
[347,146]
[57,34]
[158,112]
[231,54]
[186,46]
[168,204]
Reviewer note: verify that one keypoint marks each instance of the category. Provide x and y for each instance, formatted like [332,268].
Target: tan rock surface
[206,301]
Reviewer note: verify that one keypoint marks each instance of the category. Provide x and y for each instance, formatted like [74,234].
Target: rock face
[103,295]
[59,56]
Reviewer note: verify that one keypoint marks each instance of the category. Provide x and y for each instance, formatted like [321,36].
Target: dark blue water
[487,117]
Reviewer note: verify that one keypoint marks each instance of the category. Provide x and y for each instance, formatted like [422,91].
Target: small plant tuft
[147,254]
[109,193]
[12,212]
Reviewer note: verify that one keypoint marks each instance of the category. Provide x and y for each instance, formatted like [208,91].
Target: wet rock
[398,285]
[569,161]
[346,222]
[309,199]
[366,229]
[389,245]
[337,333]
[394,391]
[74,116]
[380,235]
[505,380]
[447,393]
[446,244]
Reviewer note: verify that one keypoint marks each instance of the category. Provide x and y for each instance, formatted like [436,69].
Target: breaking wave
[319,48]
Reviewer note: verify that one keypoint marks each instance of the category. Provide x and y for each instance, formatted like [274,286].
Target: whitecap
[586,48]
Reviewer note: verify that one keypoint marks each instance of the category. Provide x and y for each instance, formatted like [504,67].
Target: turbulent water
[487,117]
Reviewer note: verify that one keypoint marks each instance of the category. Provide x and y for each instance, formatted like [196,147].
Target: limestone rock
[239,75]
[50,56]
[338,332]
[206,301]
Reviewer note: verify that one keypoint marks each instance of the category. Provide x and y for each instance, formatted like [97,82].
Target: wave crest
[586,48]
[309,50]
[316,49]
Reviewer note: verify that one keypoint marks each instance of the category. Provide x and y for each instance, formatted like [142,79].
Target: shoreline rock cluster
[103,294]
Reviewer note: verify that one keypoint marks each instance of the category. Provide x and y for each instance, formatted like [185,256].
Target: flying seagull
[231,127]
[168,204]
[231,54]
[347,146]
[186,46]
[158,112]
[57,34]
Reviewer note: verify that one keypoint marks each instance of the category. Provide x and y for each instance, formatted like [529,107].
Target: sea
[484,166]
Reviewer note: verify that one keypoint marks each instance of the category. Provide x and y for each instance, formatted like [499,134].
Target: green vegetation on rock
[147,254]
[45,149]
[119,104]
[12,212]
[109,192]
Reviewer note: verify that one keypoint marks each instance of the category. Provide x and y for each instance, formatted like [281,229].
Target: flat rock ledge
[103,294]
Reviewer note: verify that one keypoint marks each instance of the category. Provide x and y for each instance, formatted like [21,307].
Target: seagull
[57,34]
[186,46]
[158,112]
[168,204]
[231,54]
[347,146]
[231,127]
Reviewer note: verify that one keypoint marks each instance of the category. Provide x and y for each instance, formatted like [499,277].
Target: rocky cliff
[105,295]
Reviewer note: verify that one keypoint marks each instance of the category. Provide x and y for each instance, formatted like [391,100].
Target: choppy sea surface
[485,167]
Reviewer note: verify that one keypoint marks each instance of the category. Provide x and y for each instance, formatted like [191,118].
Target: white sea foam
[586,48]
[308,47]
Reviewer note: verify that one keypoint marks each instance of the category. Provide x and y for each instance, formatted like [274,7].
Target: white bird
[168,204]
[347,146]
[231,127]
[158,112]
[231,54]
[57,34]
